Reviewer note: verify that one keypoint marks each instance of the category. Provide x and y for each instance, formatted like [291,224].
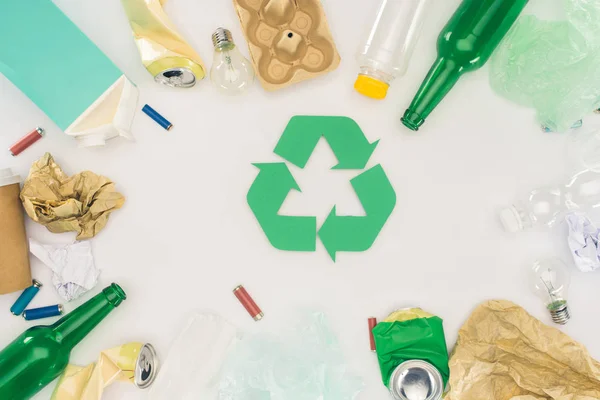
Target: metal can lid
[416,380]
[146,367]
[177,77]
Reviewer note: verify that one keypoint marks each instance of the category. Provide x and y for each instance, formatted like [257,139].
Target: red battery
[372,324]
[249,304]
[26,141]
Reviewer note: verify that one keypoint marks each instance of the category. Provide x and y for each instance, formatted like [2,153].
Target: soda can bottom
[416,380]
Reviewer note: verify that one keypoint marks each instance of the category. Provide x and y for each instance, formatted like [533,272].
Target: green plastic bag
[411,334]
[552,66]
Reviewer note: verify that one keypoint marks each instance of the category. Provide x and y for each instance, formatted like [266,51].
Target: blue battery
[43,312]
[159,119]
[25,298]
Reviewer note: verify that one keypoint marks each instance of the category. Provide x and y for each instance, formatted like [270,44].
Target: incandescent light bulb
[551,280]
[231,71]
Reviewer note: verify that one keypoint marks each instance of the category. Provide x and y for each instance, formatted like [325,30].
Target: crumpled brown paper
[503,353]
[80,203]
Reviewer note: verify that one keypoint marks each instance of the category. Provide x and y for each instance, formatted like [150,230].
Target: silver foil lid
[176,77]
[416,380]
[146,367]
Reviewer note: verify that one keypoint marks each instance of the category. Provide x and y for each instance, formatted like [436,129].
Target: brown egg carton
[289,40]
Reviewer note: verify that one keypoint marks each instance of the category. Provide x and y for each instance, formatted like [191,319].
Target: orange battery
[372,324]
[248,303]
[26,141]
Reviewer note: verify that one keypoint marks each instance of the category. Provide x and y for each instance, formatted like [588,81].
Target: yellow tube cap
[371,87]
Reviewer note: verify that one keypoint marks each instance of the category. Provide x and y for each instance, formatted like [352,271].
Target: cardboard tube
[15,274]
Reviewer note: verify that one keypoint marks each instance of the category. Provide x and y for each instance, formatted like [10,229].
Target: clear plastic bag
[301,362]
[192,367]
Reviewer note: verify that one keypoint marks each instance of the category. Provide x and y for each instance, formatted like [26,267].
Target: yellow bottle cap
[371,87]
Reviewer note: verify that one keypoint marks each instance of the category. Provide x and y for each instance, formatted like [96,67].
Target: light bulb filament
[552,291]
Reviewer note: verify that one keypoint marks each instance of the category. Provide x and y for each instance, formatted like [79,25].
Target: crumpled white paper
[73,265]
[583,241]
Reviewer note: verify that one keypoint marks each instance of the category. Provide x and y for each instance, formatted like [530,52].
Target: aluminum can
[416,380]
[146,367]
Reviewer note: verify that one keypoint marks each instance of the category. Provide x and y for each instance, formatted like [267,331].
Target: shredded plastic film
[552,66]
[302,362]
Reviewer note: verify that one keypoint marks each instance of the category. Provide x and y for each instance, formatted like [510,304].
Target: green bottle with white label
[464,45]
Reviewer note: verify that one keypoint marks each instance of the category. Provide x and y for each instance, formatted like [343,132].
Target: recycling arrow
[275,181]
[343,134]
[350,233]
[265,198]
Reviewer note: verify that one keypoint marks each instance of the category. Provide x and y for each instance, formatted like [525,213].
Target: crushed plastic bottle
[544,207]
[552,66]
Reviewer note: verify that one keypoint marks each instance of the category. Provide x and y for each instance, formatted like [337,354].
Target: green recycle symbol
[275,181]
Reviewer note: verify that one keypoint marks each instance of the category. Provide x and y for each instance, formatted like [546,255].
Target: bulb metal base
[222,38]
[560,313]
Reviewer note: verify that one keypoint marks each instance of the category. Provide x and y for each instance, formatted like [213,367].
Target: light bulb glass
[551,280]
[231,72]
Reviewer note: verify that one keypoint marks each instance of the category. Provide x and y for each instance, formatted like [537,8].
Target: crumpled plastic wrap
[88,383]
[583,241]
[503,353]
[303,362]
[73,267]
[552,66]
[81,203]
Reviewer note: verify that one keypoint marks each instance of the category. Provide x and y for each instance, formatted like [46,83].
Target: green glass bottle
[465,44]
[40,354]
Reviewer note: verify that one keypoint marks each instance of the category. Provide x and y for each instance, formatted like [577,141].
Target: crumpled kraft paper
[503,353]
[88,383]
[81,203]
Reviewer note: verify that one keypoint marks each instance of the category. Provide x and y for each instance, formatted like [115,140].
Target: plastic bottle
[40,354]
[545,206]
[386,53]
[465,44]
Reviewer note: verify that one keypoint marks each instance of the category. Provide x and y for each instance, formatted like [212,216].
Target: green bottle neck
[442,77]
[75,326]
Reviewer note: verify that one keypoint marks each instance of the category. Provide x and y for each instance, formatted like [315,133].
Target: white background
[186,237]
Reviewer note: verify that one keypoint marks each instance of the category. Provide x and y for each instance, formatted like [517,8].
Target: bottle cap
[371,87]
[8,178]
[511,220]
